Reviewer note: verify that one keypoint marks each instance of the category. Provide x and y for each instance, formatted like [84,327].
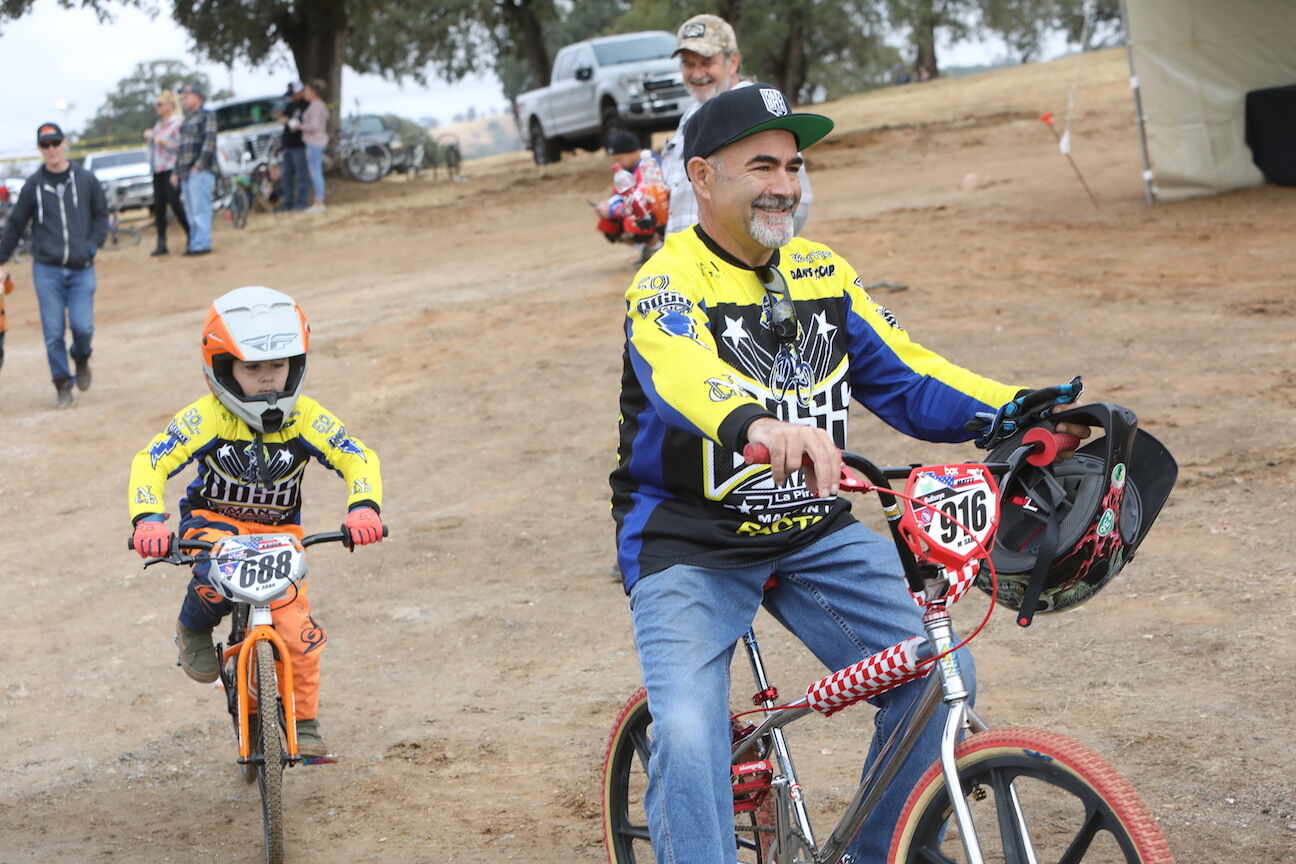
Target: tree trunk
[732,11]
[788,67]
[528,32]
[924,39]
[318,36]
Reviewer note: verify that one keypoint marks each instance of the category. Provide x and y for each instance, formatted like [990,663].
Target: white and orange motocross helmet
[255,324]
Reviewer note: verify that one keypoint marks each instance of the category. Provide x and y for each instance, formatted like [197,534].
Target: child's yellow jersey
[237,481]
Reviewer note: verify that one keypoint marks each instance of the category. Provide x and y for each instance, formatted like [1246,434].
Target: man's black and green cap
[743,111]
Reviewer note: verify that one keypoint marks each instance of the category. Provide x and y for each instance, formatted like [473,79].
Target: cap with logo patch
[48,132]
[707,35]
[743,111]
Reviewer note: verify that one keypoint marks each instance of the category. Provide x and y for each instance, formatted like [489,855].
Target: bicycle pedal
[330,759]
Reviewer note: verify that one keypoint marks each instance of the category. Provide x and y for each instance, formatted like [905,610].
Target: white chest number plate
[953,497]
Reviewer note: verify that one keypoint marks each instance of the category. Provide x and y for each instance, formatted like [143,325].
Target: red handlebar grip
[756,454]
[1048,445]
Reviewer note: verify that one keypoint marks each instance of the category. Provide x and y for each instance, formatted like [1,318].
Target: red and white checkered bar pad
[869,677]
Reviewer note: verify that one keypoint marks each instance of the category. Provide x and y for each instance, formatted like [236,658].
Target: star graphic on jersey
[744,507]
[734,330]
[825,329]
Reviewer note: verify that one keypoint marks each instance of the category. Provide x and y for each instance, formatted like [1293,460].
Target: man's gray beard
[769,234]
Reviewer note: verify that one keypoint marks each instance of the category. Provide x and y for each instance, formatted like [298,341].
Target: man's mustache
[775,202]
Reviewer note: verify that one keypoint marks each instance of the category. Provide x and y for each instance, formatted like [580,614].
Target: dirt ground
[471,334]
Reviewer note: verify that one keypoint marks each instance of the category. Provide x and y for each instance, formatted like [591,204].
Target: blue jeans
[294,178]
[315,165]
[66,299]
[197,187]
[844,596]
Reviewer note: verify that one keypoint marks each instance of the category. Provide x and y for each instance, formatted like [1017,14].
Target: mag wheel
[1035,797]
[269,746]
[369,163]
[625,780]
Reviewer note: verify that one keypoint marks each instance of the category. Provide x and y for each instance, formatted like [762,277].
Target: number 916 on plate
[944,500]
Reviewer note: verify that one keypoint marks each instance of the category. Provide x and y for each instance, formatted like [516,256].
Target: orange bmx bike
[253,571]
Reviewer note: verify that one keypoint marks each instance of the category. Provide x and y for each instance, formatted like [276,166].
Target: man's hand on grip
[792,446]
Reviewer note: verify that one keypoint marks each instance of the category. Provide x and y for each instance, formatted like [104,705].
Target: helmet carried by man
[255,324]
[1067,529]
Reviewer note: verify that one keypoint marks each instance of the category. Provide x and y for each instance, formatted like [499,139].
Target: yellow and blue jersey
[238,479]
[702,362]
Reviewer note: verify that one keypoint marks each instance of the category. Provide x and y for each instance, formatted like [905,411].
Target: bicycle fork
[959,717]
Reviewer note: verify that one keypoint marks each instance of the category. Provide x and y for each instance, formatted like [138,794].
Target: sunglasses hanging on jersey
[783,322]
[789,368]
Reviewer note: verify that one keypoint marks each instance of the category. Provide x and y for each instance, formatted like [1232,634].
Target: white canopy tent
[1192,63]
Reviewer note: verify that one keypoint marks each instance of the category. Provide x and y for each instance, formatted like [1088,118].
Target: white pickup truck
[628,81]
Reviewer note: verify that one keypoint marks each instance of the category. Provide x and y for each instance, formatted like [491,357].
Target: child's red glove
[152,539]
[363,526]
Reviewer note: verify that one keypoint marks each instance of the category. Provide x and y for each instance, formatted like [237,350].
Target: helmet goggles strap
[1058,507]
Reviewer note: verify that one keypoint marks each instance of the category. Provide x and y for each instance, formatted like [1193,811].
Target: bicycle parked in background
[1021,795]
[119,236]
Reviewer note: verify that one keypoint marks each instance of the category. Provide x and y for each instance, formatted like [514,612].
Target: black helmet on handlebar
[1066,529]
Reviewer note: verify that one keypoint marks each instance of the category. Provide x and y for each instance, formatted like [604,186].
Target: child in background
[252,437]
[636,210]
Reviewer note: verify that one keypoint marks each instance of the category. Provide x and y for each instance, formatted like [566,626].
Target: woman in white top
[164,142]
[314,127]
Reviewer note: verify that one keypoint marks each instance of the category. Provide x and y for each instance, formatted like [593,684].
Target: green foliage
[1022,24]
[128,110]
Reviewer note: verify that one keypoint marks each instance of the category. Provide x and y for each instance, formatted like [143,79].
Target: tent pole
[1148,188]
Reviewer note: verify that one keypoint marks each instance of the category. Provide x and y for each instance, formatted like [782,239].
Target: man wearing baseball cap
[68,214]
[739,332]
[292,176]
[196,166]
[709,61]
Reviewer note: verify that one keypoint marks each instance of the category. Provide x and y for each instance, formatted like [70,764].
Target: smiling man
[737,331]
[709,61]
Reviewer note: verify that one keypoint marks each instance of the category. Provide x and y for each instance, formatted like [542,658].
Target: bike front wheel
[1034,796]
[268,744]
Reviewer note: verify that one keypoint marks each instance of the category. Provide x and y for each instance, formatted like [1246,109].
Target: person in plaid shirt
[196,167]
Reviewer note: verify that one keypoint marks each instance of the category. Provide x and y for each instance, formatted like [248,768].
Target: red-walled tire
[1076,807]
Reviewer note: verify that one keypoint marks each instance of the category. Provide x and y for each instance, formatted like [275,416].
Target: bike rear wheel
[1075,808]
[369,163]
[268,744]
[625,780]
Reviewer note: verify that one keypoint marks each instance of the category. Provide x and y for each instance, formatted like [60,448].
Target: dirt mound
[471,334]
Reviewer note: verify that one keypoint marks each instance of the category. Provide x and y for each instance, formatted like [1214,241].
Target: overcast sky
[54,54]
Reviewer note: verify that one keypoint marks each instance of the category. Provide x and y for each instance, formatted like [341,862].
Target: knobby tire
[269,746]
[1077,808]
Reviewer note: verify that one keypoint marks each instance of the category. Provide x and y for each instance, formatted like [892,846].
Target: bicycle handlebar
[202,545]
[1041,448]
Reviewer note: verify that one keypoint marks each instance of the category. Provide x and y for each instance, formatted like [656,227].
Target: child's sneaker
[310,744]
[197,655]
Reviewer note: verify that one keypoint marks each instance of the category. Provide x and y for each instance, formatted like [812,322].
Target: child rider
[252,437]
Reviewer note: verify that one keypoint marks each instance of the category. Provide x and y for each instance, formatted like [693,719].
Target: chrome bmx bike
[1010,794]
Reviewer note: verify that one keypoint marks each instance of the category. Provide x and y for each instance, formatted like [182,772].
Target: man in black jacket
[68,212]
[293,179]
